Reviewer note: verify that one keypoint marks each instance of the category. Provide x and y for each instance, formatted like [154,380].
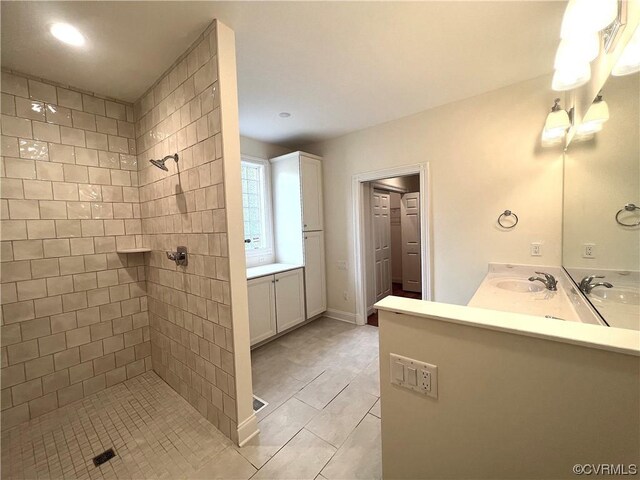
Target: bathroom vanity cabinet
[276,303]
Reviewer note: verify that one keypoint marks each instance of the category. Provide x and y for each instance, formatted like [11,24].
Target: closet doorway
[392,246]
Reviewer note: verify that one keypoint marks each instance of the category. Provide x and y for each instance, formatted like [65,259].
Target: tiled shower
[77,188]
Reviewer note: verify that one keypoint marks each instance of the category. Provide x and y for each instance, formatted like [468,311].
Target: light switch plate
[415,375]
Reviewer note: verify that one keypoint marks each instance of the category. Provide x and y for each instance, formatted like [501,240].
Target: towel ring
[629,207]
[505,214]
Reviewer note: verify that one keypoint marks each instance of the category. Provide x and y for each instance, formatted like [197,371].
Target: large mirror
[601,177]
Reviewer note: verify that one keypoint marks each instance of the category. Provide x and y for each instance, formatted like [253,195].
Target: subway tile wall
[189,307]
[74,312]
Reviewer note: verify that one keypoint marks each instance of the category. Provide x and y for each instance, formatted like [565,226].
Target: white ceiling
[335,66]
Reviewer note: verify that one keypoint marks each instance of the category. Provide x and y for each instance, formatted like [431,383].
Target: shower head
[161,163]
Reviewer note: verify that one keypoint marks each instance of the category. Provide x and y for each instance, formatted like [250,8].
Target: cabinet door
[311,172]
[262,308]
[314,273]
[289,299]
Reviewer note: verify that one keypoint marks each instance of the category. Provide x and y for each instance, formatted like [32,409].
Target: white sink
[518,285]
[628,296]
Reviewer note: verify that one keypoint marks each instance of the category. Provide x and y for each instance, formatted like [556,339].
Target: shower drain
[103,457]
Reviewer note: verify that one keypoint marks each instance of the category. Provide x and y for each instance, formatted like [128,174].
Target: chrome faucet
[549,281]
[586,286]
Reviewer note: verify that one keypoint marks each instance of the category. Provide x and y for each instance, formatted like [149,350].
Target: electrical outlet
[536,249]
[414,375]
[589,250]
[342,265]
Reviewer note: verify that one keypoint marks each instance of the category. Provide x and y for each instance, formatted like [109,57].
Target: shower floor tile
[153,430]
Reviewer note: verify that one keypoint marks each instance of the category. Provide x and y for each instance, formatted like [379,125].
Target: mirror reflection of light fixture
[629,61]
[556,125]
[588,16]
[595,117]
[571,76]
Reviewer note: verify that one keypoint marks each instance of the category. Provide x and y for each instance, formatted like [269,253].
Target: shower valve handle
[180,256]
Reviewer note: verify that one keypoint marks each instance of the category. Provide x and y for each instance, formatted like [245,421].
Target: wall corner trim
[247,425]
[247,430]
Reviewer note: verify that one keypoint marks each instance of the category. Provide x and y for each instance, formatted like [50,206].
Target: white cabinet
[262,308]
[298,212]
[315,283]
[276,303]
[289,299]
[311,175]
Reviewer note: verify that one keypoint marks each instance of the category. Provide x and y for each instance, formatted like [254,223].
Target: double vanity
[549,292]
[599,281]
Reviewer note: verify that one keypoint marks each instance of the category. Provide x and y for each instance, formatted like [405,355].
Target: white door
[262,308]
[289,299]
[314,273]
[410,221]
[381,209]
[311,173]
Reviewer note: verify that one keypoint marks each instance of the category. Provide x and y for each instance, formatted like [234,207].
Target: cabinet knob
[305,237]
[305,224]
[277,280]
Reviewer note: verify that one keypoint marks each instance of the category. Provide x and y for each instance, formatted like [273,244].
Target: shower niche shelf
[133,250]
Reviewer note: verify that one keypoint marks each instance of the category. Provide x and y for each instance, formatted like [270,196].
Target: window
[256,203]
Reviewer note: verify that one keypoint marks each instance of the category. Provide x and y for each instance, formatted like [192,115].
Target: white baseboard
[340,315]
[247,430]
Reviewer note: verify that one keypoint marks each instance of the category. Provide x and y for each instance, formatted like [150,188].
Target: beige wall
[601,176]
[74,317]
[256,148]
[508,406]
[189,307]
[484,157]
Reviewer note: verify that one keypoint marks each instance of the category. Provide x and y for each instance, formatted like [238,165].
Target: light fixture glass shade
[579,49]
[571,76]
[595,117]
[557,120]
[629,61]
[552,137]
[588,16]
[589,128]
[598,112]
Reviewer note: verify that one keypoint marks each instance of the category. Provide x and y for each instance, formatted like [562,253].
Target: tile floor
[322,421]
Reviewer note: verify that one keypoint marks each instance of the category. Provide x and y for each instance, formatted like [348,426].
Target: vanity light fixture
[595,117]
[588,16]
[581,41]
[629,61]
[557,123]
[67,33]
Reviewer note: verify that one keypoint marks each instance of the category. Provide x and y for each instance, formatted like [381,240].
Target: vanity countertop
[270,269]
[507,288]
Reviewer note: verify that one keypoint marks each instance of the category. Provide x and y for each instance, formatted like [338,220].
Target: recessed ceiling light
[67,33]
[284,114]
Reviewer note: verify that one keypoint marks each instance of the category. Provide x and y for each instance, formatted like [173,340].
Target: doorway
[394,237]
[391,241]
